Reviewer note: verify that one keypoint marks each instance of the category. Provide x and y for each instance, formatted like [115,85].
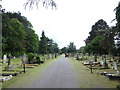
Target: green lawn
[94,80]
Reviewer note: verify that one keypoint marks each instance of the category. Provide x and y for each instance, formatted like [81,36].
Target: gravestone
[95,58]
[105,65]
[8,67]
[14,66]
[9,59]
[22,60]
[86,55]
[92,58]
[4,58]
[55,55]
[115,65]
[24,57]
[14,57]
[118,72]
[50,56]
[77,57]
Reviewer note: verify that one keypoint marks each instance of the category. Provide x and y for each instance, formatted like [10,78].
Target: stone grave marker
[14,57]
[8,67]
[115,65]
[50,56]
[24,57]
[4,58]
[14,66]
[77,57]
[95,58]
[105,65]
[86,55]
[21,60]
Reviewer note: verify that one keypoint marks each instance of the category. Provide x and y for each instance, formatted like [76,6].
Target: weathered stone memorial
[105,65]
[4,58]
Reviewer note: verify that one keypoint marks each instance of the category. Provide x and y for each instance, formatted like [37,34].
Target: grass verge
[91,80]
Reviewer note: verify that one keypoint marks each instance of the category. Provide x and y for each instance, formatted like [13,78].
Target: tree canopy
[98,29]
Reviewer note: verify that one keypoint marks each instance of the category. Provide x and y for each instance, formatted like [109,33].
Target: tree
[117,9]
[98,29]
[30,42]
[64,50]
[71,47]
[82,49]
[94,46]
[49,45]
[43,44]
[13,37]
[108,42]
[55,48]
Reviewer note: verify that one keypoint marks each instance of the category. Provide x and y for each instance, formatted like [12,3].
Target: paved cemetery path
[58,75]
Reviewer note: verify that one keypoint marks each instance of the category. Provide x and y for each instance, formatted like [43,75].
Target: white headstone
[118,72]
[24,57]
[115,65]
[21,60]
[4,58]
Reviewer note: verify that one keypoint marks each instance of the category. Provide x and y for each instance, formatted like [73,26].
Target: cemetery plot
[113,76]
[103,65]
[91,80]
[15,66]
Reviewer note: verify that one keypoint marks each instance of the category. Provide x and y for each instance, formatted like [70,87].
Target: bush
[30,58]
[38,59]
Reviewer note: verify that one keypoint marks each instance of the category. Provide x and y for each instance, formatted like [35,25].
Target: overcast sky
[71,22]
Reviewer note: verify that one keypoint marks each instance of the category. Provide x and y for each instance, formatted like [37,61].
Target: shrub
[30,58]
[38,59]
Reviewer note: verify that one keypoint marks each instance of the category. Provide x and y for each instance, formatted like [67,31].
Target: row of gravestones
[23,58]
[6,59]
[93,58]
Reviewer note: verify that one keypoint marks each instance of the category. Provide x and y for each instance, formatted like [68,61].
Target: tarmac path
[58,75]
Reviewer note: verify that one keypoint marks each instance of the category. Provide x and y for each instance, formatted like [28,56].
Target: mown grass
[22,80]
[91,80]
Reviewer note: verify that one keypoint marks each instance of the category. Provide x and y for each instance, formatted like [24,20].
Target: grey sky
[71,22]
